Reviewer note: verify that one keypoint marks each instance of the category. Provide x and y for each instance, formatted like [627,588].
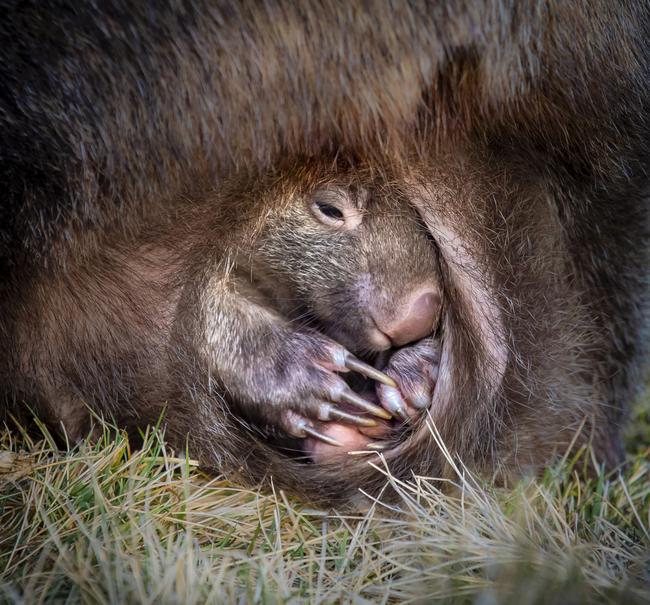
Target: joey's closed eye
[329,210]
[335,208]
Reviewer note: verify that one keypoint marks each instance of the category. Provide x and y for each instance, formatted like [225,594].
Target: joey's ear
[335,208]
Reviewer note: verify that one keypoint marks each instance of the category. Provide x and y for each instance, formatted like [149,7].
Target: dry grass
[103,524]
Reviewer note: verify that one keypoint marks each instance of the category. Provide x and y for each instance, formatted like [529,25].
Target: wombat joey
[335,275]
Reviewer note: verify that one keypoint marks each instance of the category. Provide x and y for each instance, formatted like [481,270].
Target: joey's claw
[337,414]
[415,368]
[362,404]
[356,365]
[300,427]
[312,432]
[393,401]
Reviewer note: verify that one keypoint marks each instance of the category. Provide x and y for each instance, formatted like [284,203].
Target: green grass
[100,523]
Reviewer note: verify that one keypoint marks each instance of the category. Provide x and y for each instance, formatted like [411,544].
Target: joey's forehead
[361,191]
[358,195]
[393,217]
[389,205]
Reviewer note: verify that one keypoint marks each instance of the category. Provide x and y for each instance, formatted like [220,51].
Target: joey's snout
[412,319]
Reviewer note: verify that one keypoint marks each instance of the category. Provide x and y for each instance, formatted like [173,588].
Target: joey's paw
[297,387]
[415,370]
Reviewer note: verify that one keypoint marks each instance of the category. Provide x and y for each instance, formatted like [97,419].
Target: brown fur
[526,130]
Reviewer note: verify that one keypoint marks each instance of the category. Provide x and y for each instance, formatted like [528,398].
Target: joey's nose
[415,319]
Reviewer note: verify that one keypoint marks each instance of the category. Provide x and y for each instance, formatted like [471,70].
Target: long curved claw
[362,404]
[394,402]
[337,414]
[312,432]
[356,365]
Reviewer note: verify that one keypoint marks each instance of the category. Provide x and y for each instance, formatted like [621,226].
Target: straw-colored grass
[103,524]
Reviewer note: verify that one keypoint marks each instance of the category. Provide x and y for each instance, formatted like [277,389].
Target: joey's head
[355,259]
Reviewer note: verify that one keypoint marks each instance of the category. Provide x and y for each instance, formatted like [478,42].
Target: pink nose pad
[416,319]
